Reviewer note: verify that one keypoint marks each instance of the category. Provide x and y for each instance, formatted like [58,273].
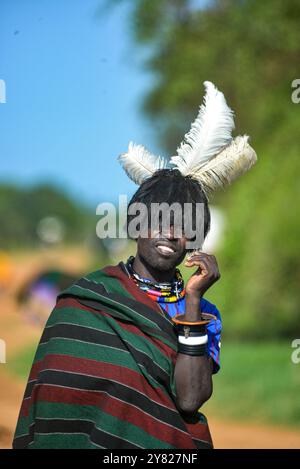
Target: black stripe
[95,435]
[114,389]
[69,331]
[21,442]
[29,388]
[96,287]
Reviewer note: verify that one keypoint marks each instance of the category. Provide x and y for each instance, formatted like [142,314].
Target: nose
[168,233]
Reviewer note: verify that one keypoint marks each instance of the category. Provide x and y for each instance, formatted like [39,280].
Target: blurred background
[81,78]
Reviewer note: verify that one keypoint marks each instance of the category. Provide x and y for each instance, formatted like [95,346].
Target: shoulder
[96,276]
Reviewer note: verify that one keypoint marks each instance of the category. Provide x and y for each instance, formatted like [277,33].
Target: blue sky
[74,82]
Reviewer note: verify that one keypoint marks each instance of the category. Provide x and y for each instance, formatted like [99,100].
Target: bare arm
[193,374]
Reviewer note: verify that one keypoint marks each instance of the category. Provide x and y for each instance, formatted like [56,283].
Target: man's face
[161,250]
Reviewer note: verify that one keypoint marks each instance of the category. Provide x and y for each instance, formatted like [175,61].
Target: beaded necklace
[162,292]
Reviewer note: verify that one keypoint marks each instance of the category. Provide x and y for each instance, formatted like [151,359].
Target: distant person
[38,296]
[127,355]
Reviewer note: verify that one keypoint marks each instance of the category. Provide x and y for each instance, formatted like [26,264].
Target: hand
[205,276]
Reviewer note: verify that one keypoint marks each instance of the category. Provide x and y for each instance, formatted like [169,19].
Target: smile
[165,250]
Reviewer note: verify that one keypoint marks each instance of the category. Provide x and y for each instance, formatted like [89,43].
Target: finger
[212,265]
[203,268]
[193,263]
[212,261]
[206,267]
[213,269]
[196,257]
[196,260]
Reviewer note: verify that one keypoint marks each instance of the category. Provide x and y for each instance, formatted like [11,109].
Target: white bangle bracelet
[200,340]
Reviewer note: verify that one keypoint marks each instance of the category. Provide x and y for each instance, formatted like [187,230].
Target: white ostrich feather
[207,154]
[232,162]
[210,132]
[140,164]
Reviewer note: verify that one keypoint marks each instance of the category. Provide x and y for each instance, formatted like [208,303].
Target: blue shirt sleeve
[214,329]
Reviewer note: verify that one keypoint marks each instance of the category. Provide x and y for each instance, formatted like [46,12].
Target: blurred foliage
[21,210]
[21,363]
[248,387]
[251,50]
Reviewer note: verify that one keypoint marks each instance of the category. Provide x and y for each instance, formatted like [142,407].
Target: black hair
[169,185]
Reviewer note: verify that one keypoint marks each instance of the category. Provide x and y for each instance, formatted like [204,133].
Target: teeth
[165,248]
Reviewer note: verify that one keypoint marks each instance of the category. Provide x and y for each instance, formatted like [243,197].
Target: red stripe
[118,409]
[118,373]
[199,431]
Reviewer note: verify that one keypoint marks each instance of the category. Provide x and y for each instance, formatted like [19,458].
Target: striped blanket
[103,373]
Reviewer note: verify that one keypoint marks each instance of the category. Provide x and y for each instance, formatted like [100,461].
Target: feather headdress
[208,152]
[140,164]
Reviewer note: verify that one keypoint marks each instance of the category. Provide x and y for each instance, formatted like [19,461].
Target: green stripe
[23,425]
[103,420]
[112,284]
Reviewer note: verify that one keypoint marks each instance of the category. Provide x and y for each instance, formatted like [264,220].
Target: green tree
[22,209]
[251,50]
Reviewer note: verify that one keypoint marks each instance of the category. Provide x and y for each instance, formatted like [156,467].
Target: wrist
[192,307]
[192,339]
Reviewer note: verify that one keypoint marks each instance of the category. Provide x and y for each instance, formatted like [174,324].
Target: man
[127,355]
[106,377]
